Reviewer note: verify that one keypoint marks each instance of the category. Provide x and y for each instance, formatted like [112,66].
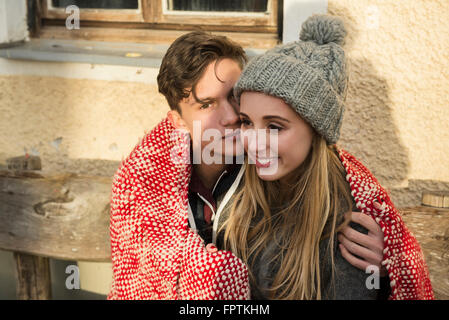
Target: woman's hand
[369,246]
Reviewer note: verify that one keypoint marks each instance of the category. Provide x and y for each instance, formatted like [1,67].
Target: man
[151,256]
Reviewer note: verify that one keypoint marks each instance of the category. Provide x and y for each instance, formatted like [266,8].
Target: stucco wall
[75,125]
[398,97]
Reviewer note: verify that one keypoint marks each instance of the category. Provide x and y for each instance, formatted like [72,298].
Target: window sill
[94,52]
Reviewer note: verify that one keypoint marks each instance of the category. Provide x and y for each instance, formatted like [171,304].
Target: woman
[284,220]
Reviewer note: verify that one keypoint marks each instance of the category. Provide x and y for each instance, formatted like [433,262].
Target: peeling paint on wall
[55,143]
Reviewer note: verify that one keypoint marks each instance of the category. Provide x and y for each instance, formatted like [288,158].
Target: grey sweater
[349,281]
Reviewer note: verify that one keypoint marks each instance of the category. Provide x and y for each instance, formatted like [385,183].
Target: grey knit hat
[309,75]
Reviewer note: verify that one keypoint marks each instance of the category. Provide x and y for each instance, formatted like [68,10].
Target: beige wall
[395,122]
[76,124]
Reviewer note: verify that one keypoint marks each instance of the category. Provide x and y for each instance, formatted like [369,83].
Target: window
[97,4]
[257,21]
[217,5]
[95,10]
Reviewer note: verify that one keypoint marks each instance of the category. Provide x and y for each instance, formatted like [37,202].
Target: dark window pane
[218,5]
[97,4]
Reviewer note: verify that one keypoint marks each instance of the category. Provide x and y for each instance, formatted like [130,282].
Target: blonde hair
[297,216]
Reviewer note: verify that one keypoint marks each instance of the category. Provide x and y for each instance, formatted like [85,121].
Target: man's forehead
[217,81]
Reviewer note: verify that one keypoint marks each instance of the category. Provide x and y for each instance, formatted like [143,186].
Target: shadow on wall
[369,131]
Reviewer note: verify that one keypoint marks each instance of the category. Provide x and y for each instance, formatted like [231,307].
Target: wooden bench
[51,215]
[66,216]
[430,226]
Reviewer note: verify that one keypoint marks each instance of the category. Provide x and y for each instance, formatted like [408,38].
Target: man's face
[219,112]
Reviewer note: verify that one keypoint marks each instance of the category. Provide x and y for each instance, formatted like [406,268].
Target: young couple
[307,230]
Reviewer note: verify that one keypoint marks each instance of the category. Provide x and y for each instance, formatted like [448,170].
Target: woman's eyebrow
[268,117]
[271,117]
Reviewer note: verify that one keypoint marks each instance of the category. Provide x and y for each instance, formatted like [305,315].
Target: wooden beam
[63,216]
[33,277]
[436,199]
[430,226]
[153,36]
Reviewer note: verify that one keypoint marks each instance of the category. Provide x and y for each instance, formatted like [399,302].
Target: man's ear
[175,118]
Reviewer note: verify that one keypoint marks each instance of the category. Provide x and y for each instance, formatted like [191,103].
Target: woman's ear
[175,118]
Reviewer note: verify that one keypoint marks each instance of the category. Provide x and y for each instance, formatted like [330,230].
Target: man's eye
[245,122]
[205,106]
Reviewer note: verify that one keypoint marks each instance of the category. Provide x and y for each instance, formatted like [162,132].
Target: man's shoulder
[156,138]
[153,147]
[147,158]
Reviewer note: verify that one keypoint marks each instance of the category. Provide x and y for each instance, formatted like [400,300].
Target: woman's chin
[266,175]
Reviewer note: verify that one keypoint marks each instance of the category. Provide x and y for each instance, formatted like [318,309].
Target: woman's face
[261,112]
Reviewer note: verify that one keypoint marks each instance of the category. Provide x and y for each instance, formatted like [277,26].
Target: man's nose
[229,116]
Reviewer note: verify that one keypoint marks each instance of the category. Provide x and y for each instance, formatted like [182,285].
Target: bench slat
[62,216]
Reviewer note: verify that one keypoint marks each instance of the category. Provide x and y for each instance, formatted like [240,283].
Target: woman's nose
[260,142]
[257,141]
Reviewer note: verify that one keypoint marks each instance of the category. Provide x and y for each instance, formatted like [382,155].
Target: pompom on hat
[310,74]
[323,29]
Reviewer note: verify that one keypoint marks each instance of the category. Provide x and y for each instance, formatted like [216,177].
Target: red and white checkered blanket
[155,255]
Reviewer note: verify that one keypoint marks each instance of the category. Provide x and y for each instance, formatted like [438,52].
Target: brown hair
[186,60]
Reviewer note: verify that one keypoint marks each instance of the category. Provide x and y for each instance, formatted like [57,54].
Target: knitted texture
[309,75]
[155,255]
[403,258]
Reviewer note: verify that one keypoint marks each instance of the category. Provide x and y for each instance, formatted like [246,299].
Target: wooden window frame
[154,14]
[111,15]
[152,24]
[257,20]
